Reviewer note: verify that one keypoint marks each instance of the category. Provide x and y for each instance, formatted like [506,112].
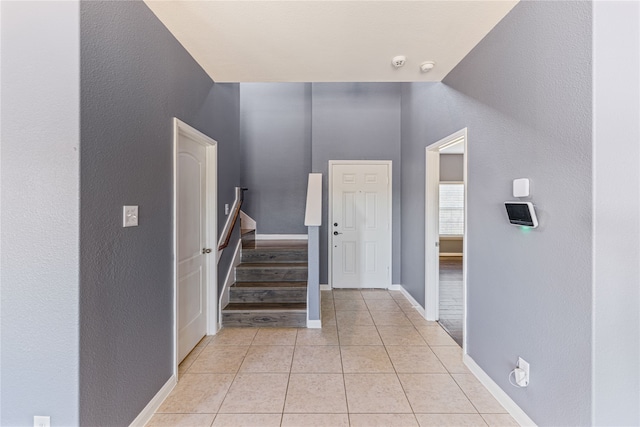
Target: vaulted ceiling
[328,40]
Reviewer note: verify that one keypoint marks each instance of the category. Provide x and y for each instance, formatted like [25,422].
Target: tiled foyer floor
[375,362]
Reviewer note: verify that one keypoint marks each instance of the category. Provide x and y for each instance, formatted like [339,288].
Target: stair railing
[231,221]
[313,221]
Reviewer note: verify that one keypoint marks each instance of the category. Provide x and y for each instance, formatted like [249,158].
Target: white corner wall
[616,213]
[39,157]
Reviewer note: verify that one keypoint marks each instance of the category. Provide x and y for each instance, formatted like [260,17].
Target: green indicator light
[525,229]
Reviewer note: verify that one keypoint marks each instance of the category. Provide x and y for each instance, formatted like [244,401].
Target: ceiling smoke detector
[398,61]
[427,66]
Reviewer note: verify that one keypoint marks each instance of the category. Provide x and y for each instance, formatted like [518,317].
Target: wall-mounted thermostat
[521,213]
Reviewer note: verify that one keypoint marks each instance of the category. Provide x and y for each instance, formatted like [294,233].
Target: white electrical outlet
[523,381]
[41,421]
[129,216]
[226,208]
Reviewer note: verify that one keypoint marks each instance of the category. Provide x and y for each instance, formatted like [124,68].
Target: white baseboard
[325,287]
[281,237]
[395,287]
[450,254]
[514,410]
[228,281]
[314,324]
[143,418]
[411,299]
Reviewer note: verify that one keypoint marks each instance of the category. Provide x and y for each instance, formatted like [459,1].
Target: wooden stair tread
[267,265]
[270,285]
[271,306]
[276,244]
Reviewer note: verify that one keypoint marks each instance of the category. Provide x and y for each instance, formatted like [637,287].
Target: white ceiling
[328,40]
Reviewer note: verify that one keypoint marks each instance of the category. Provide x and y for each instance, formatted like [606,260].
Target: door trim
[389,164]
[180,127]
[431,232]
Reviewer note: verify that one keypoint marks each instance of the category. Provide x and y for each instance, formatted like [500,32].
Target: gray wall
[291,129]
[451,167]
[134,78]
[40,212]
[616,321]
[529,294]
[276,154]
[357,121]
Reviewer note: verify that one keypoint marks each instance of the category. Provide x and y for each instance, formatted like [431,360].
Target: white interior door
[191,244]
[360,225]
[432,234]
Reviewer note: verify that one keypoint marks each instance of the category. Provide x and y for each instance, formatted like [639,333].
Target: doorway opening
[195,238]
[445,234]
[359,240]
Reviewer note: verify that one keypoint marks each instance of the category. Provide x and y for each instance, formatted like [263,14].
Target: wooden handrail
[236,215]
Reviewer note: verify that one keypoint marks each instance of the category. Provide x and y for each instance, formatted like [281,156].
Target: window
[451,209]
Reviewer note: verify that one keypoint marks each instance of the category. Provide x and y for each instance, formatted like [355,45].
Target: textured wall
[40,212]
[616,85]
[134,78]
[529,293]
[276,154]
[357,121]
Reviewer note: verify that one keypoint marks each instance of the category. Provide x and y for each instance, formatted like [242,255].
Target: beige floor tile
[359,335]
[400,335]
[383,305]
[256,394]
[326,294]
[346,294]
[365,359]
[315,420]
[375,294]
[316,393]
[450,420]
[186,363]
[350,304]
[268,358]
[383,420]
[181,420]
[499,420]
[451,358]
[375,394]
[219,360]
[435,335]
[197,393]
[484,402]
[234,336]
[328,335]
[353,318]
[275,336]
[435,394]
[247,420]
[415,360]
[390,318]
[317,359]
[327,304]
[417,319]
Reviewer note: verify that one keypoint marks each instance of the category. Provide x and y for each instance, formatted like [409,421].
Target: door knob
[335,233]
[206,251]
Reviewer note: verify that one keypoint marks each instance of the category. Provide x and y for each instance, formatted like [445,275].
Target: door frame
[432,180]
[211,179]
[389,164]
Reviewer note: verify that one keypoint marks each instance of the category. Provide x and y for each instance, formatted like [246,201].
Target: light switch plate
[130,216]
[41,421]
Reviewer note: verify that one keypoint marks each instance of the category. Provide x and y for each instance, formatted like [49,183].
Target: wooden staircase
[271,284]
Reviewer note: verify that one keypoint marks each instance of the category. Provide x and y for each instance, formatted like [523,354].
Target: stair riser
[265,319]
[270,274]
[257,255]
[267,295]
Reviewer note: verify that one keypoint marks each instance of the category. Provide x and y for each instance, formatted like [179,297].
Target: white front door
[192,235]
[360,225]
